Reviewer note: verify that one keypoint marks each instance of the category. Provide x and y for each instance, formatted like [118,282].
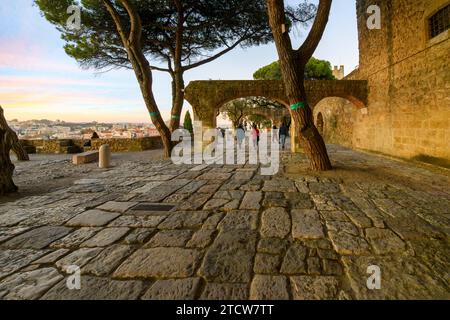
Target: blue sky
[38,80]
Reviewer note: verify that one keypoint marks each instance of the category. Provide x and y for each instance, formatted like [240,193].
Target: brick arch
[206,97]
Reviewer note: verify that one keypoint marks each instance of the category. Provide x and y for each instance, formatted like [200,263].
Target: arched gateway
[206,97]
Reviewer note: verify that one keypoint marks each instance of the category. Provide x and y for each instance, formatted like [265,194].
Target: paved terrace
[232,234]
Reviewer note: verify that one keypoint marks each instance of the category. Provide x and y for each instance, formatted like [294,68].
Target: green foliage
[209,25]
[174,38]
[315,70]
[269,72]
[187,123]
[236,110]
[259,120]
[318,70]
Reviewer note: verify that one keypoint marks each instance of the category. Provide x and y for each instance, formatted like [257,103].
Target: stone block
[85,157]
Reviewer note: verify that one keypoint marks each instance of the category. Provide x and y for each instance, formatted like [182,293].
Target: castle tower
[338,72]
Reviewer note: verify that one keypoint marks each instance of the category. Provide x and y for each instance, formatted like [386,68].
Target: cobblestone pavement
[154,230]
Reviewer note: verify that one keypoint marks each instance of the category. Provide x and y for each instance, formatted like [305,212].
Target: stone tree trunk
[6,167]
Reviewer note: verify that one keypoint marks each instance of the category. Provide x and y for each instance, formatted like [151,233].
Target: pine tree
[187,124]
[292,65]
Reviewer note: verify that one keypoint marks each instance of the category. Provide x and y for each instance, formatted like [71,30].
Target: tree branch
[308,47]
[159,69]
[136,24]
[117,21]
[214,57]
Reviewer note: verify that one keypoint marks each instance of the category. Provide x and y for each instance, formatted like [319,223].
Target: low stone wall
[69,146]
[125,145]
[53,146]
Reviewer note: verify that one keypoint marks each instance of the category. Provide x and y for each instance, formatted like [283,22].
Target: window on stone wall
[439,22]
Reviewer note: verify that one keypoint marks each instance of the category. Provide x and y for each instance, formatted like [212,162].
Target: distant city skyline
[48,129]
[39,81]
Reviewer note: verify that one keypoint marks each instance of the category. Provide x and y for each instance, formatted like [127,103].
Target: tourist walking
[283,134]
[255,136]
[274,134]
[240,135]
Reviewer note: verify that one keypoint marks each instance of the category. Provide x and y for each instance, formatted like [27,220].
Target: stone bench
[85,157]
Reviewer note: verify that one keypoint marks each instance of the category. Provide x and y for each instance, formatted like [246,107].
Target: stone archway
[275,115]
[270,109]
[206,97]
[339,117]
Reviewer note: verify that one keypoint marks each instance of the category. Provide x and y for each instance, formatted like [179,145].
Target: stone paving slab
[94,288]
[38,238]
[116,206]
[29,285]
[159,262]
[173,289]
[232,233]
[230,257]
[13,260]
[92,218]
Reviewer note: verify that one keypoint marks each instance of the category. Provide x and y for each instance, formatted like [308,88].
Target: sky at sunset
[39,81]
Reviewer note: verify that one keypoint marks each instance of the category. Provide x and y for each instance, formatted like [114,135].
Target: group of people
[255,134]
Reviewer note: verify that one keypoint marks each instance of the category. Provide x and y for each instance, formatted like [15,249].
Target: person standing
[257,136]
[283,134]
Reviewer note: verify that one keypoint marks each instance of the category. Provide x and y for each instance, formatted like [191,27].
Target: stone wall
[126,145]
[338,120]
[76,146]
[408,75]
[338,72]
[53,146]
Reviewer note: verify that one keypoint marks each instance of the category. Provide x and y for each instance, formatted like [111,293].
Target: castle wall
[408,73]
[338,120]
